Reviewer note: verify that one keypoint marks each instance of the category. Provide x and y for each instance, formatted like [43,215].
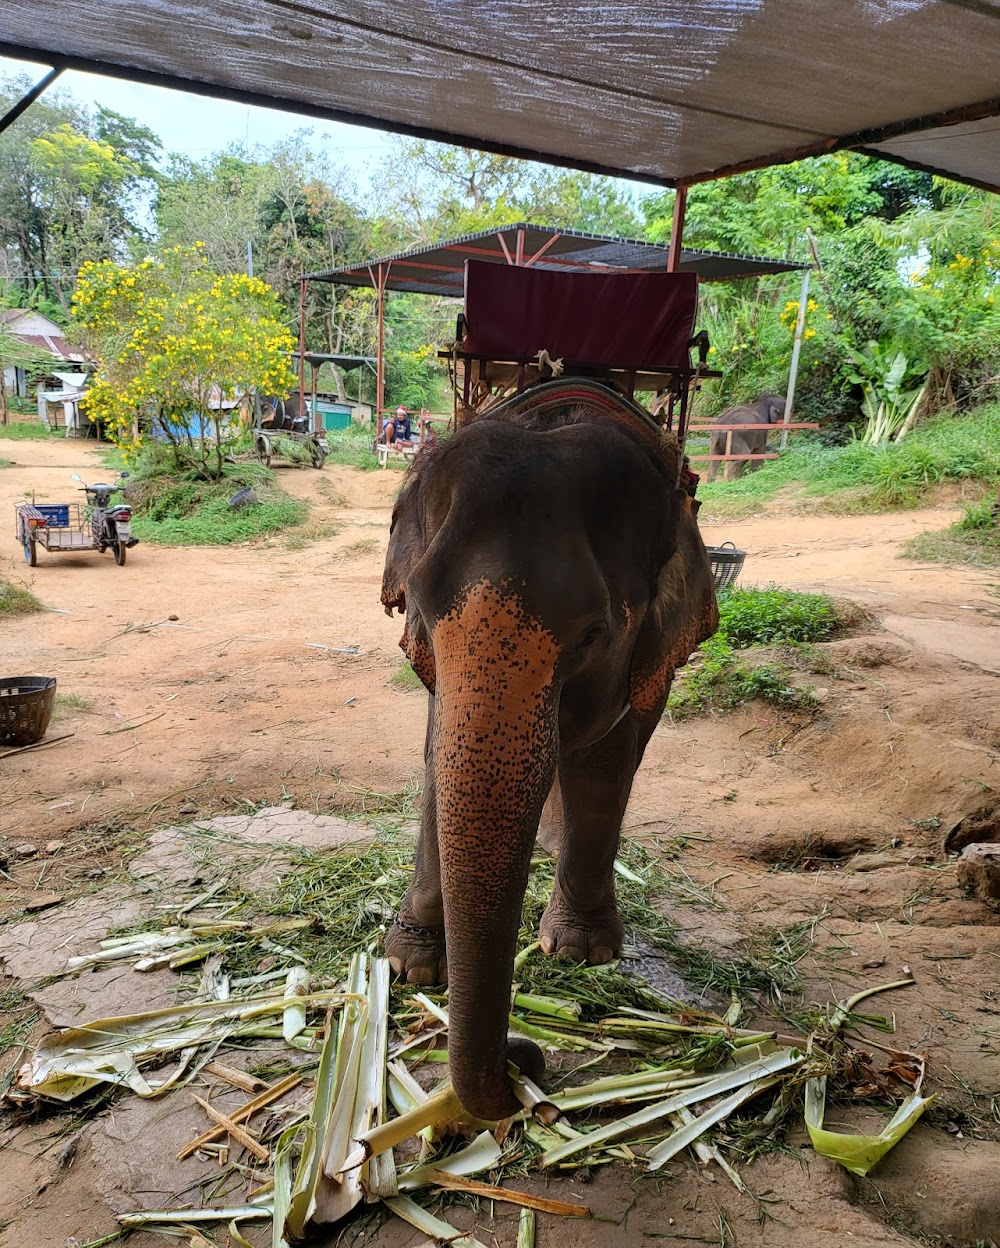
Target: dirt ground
[205,681]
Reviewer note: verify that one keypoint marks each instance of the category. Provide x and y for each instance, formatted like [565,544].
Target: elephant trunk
[495,748]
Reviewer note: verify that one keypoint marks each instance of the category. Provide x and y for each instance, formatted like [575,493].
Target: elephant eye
[592,635]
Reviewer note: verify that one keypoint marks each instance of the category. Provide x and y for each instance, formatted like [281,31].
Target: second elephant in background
[768,409]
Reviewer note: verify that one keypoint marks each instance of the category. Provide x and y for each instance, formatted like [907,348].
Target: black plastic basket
[26,704]
[727,563]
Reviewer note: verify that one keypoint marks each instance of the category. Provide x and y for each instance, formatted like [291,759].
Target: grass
[405,678]
[730,670]
[353,447]
[975,539]
[16,600]
[24,430]
[173,508]
[363,546]
[6,463]
[68,703]
[861,478]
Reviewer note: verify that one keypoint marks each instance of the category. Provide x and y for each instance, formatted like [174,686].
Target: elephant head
[528,562]
[772,407]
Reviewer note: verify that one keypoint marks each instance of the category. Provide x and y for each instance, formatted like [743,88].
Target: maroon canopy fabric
[624,320]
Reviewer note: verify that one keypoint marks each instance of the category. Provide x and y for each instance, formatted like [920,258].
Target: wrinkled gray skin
[770,408]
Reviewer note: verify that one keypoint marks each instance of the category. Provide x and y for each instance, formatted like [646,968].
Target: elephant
[552,577]
[768,408]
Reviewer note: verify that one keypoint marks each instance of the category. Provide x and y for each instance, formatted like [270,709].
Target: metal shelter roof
[345,362]
[439,269]
[668,91]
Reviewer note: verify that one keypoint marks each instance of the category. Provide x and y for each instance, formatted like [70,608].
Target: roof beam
[26,100]
[864,139]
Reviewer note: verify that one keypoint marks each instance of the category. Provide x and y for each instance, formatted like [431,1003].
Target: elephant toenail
[547,945]
[397,965]
[601,954]
[419,975]
[571,951]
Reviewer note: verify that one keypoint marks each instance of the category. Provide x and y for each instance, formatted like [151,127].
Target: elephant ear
[681,616]
[407,545]
[406,548]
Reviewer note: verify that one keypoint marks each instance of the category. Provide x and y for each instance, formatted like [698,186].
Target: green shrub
[756,617]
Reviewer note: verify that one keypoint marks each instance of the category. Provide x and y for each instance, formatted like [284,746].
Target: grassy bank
[175,508]
[23,430]
[975,539]
[766,638]
[860,478]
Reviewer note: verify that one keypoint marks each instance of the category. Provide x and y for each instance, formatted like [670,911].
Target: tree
[432,192]
[179,348]
[73,186]
[297,214]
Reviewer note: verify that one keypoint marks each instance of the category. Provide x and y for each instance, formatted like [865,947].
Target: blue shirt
[402,426]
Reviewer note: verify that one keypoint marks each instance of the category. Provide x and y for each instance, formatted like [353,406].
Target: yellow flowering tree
[179,349]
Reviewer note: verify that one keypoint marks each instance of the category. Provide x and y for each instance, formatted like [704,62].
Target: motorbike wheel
[318,456]
[120,550]
[30,552]
[264,452]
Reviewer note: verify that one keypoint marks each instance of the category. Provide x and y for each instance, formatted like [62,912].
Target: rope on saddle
[544,360]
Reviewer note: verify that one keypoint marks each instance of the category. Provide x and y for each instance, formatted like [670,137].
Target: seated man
[397,432]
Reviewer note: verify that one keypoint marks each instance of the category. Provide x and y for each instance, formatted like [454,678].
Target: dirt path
[830,824]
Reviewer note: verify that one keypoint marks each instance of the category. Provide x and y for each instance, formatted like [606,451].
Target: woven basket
[26,704]
[727,563]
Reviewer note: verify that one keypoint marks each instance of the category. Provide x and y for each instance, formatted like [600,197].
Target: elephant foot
[417,954]
[594,936]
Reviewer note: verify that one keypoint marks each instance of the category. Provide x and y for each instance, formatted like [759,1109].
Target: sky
[196,126]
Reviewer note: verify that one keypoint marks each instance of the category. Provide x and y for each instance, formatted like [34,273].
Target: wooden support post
[677,230]
[793,372]
[380,364]
[302,346]
[519,253]
[317,422]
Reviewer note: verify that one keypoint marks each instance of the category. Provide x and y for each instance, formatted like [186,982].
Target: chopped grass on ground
[974,539]
[6,463]
[731,667]
[175,509]
[861,478]
[16,600]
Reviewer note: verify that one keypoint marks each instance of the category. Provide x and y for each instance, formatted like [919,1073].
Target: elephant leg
[713,465]
[415,944]
[550,829]
[581,921]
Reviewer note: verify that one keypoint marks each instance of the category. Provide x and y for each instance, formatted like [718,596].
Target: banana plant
[890,409]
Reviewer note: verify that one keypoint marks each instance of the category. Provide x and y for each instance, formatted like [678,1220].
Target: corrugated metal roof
[439,268]
[670,91]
